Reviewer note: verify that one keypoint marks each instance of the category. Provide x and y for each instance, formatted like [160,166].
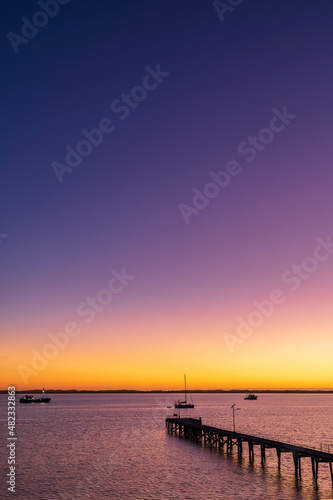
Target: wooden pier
[193,429]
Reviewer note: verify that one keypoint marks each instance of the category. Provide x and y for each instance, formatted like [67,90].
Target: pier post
[240,447]
[278,451]
[263,455]
[313,468]
[251,452]
[296,463]
[314,463]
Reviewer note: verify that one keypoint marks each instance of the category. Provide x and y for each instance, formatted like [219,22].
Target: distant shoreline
[195,391]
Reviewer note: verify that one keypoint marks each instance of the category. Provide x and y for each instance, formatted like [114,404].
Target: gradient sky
[120,207]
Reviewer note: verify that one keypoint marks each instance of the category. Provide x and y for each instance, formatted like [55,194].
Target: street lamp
[233,415]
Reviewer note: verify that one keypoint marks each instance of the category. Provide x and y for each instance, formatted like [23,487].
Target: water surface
[116,447]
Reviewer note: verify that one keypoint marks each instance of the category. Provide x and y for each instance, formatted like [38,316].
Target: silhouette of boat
[251,396]
[30,399]
[27,399]
[184,404]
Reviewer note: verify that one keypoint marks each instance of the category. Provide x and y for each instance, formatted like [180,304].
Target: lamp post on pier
[233,415]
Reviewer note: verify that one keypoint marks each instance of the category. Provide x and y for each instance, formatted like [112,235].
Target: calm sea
[116,447]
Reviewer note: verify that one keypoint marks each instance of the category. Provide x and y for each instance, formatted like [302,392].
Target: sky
[166,194]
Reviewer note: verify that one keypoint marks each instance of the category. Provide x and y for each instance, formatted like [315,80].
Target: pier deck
[193,429]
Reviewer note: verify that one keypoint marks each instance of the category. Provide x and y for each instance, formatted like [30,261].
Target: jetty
[194,430]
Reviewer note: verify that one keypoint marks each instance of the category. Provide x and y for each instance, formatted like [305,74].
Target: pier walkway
[193,429]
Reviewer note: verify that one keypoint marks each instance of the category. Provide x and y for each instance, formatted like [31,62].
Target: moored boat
[27,399]
[251,396]
[183,404]
[30,399]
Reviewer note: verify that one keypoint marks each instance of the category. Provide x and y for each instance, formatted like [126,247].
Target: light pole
[233,415]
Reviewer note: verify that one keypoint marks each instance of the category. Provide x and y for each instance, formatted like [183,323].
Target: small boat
[27,399]
[30,399]
[251,396]
[184,404]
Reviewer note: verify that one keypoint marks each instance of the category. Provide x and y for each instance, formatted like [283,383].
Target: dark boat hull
[184,406]
[33,401]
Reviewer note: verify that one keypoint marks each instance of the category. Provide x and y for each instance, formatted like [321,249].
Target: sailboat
[184,404]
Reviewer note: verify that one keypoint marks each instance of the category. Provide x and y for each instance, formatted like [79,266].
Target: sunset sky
[180,283]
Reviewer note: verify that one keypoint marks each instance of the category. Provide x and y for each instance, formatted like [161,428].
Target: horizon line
[168,391]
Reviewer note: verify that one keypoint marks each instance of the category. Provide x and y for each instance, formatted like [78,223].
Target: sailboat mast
[185,388]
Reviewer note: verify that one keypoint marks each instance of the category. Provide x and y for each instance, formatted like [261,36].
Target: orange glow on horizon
[153,353]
